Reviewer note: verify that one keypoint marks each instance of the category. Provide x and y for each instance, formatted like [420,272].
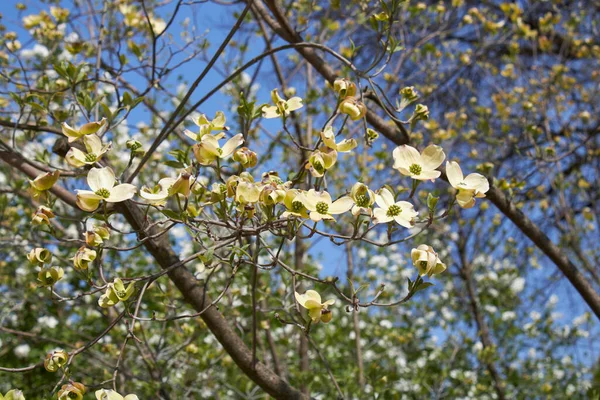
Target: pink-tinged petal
[405,156]
[433,156]
[427,175]
[454,173]
[384,198]
[380,216]
[341,205]
[121,192]
[231,145]
[101,178]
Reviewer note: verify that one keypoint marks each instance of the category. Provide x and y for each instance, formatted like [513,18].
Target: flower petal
[341,205]
[405,156]
[231,145]
[101,178]
[384,198]
[454,173]
[121,192]
[432,157]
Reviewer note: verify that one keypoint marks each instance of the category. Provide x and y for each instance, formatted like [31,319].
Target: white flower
[423,166]
[22,350]
[320,205]
[517,285]
[49,322]
[402,211]
[208,150]
[311,300]
[426,260]
[281,107]
[87,129]
[206,126]
[107,394]
[474,185]
[102,183]
[95,151]
[344,146]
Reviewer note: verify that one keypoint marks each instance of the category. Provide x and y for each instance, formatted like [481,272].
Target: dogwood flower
[95,151]
[422,166]
[293,204]
[42,216]
[49,276]
[321,207]
[13,394]
[97,236]
[474,185]
[44,182]
[102,183]
[107,394]
[354,108]
[206,126]
[344,87]
[116,292]
[83,258]
[87,129]
[55,360]
[72,391]
[246,157]
[282,107]
[320,161]
[344,146]
[208,150]
[158,194]
[426,260]
[363,198]
[40,256]
[247,192]
[311,300]
[401,211]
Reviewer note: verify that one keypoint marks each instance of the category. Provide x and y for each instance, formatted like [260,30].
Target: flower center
[120,293]
[322,207]
[297,206]
[103,193]
[415,169]
[220,151]
[393,211]
[91,157]
[362,200]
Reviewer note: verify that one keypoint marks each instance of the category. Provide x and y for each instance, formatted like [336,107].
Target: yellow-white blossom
[44,181]
[390,210]
[95,151]
[363,198]
[320,161]
[426,260]
[39,255]
[293,204]
[354,108]
[209,150]
[42,216]
[107,394]
[311,300]
[83,258]
[344,87]
[55,360]
[102,182]
[72,391]
[321,206]
[13,394]
[87,129]
[205,126]
[344,146]
[422,166]
[49,276]
[116,292]
[473,186]
[281,107]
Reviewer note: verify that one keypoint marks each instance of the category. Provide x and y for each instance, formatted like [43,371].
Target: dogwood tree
[298,199]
